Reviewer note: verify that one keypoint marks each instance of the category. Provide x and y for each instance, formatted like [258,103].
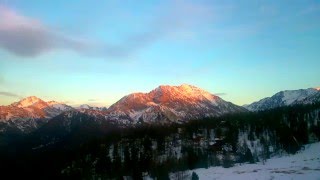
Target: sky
[95,52]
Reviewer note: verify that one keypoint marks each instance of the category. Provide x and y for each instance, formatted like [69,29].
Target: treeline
[155,151]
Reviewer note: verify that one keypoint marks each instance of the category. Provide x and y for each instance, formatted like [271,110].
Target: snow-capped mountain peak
[286,98]
[26,114]
[171,103]
[289,96]
[28,101]
[183,92]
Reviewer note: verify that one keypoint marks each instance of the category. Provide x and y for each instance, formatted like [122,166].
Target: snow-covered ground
[304,165]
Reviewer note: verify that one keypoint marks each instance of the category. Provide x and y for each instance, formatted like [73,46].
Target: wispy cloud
[28,37]
[92,100]
[9,94]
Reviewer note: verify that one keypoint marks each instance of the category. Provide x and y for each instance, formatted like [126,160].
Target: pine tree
[194,176]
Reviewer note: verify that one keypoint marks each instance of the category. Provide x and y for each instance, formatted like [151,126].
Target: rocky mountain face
[165,104]
[29,113]
[287,98]
[169,104]
[314,98]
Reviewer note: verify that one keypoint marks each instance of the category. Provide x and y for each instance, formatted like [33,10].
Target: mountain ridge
[164,104]
[29,113]
[286,98]
[174,103]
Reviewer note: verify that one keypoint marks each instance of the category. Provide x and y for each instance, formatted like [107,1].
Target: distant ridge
[286,98]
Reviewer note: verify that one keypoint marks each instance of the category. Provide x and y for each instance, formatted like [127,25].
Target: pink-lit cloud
[29,37]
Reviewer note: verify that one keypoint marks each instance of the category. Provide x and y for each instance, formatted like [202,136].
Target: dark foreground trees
[156,151]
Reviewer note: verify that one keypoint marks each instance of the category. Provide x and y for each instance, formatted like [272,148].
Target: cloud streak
[8,94]
[28,37]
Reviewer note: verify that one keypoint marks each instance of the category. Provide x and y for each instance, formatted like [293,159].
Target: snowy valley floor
[304,165]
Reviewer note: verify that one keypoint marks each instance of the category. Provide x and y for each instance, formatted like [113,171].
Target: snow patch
[303,165]
[290,96]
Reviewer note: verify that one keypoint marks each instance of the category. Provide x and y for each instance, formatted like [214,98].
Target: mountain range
[163,105]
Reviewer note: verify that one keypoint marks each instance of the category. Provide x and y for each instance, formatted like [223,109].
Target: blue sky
[96,52]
